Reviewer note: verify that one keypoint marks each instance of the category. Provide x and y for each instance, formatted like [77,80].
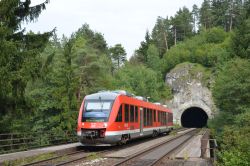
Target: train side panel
[129,118]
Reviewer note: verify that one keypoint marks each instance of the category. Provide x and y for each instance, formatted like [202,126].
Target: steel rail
[53,158]
[170,152]
[84,157]
[152,148]
[77,159]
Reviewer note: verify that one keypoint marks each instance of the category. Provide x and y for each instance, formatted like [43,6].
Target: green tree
[232,134]
[227,13]
[154,61]
[19,56]
[208,48]
[232,87]
[142,81]
[118,55]
[241,40]
[195,15]
[182,24]
[141,53]
[161,35]
[94,39]
[206,16]
[72,69]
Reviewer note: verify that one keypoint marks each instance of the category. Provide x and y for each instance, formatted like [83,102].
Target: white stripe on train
[111,133]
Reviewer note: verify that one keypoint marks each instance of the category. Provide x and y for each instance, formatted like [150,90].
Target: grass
[29,159]
[93,156]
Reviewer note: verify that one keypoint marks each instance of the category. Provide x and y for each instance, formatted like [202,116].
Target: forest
[44,78]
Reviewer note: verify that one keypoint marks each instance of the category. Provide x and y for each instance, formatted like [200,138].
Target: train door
[141,121]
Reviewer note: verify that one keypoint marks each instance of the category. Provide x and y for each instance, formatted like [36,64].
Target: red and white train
[114,117]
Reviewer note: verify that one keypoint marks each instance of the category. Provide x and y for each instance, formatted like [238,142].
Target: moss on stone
[194,72]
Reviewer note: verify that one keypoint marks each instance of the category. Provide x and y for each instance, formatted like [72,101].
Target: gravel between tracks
[115,156]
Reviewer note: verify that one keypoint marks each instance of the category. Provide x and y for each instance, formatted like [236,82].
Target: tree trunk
[175,35]
[166,40]
[231,22]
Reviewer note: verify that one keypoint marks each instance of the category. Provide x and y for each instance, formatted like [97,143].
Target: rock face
[189,83]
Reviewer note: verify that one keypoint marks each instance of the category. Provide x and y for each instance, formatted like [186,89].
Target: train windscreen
[96,111]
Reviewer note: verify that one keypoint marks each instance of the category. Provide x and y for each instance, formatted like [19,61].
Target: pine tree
[154,61]
[161,35]
[206,16]
[195,15]
[118,55]
[182,24]
[19,56]
[141,55]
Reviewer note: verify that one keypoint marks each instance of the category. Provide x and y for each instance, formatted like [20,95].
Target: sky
[120,21]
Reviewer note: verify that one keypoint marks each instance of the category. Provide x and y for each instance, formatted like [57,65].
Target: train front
[93,119]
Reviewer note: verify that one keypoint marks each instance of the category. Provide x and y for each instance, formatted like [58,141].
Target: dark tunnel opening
[194,117]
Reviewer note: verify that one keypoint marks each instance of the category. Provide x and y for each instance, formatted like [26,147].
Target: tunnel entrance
[194,117]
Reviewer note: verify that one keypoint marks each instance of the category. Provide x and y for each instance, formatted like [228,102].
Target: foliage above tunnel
[208,48]
[194,71]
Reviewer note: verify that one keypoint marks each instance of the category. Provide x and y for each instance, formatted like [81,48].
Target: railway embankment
[188,146]
[185,147]
[5,158]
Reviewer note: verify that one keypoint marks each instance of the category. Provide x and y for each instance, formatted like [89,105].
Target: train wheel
[124,139]
[155,133]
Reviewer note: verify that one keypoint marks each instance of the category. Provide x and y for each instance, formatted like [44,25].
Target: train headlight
[105,125]
[102,133]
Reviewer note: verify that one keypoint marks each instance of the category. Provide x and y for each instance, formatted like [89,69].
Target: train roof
[112,95]
[107,95]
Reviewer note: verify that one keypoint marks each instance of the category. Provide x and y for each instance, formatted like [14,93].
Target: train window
[151,117]
[162,118]
[159,116]
[132,113]
[136,114]
[154,115]
[148,117]
[119,115]
[144,116]
[126,113]
[166,118]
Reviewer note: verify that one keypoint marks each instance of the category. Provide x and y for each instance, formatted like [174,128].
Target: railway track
[78,155]
[153,155]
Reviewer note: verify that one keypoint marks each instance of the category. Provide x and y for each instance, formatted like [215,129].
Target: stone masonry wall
[187,83]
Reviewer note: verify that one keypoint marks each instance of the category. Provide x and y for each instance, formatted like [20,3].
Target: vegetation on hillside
[44,78]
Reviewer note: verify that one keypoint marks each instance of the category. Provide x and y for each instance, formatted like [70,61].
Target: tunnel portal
[194,117]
